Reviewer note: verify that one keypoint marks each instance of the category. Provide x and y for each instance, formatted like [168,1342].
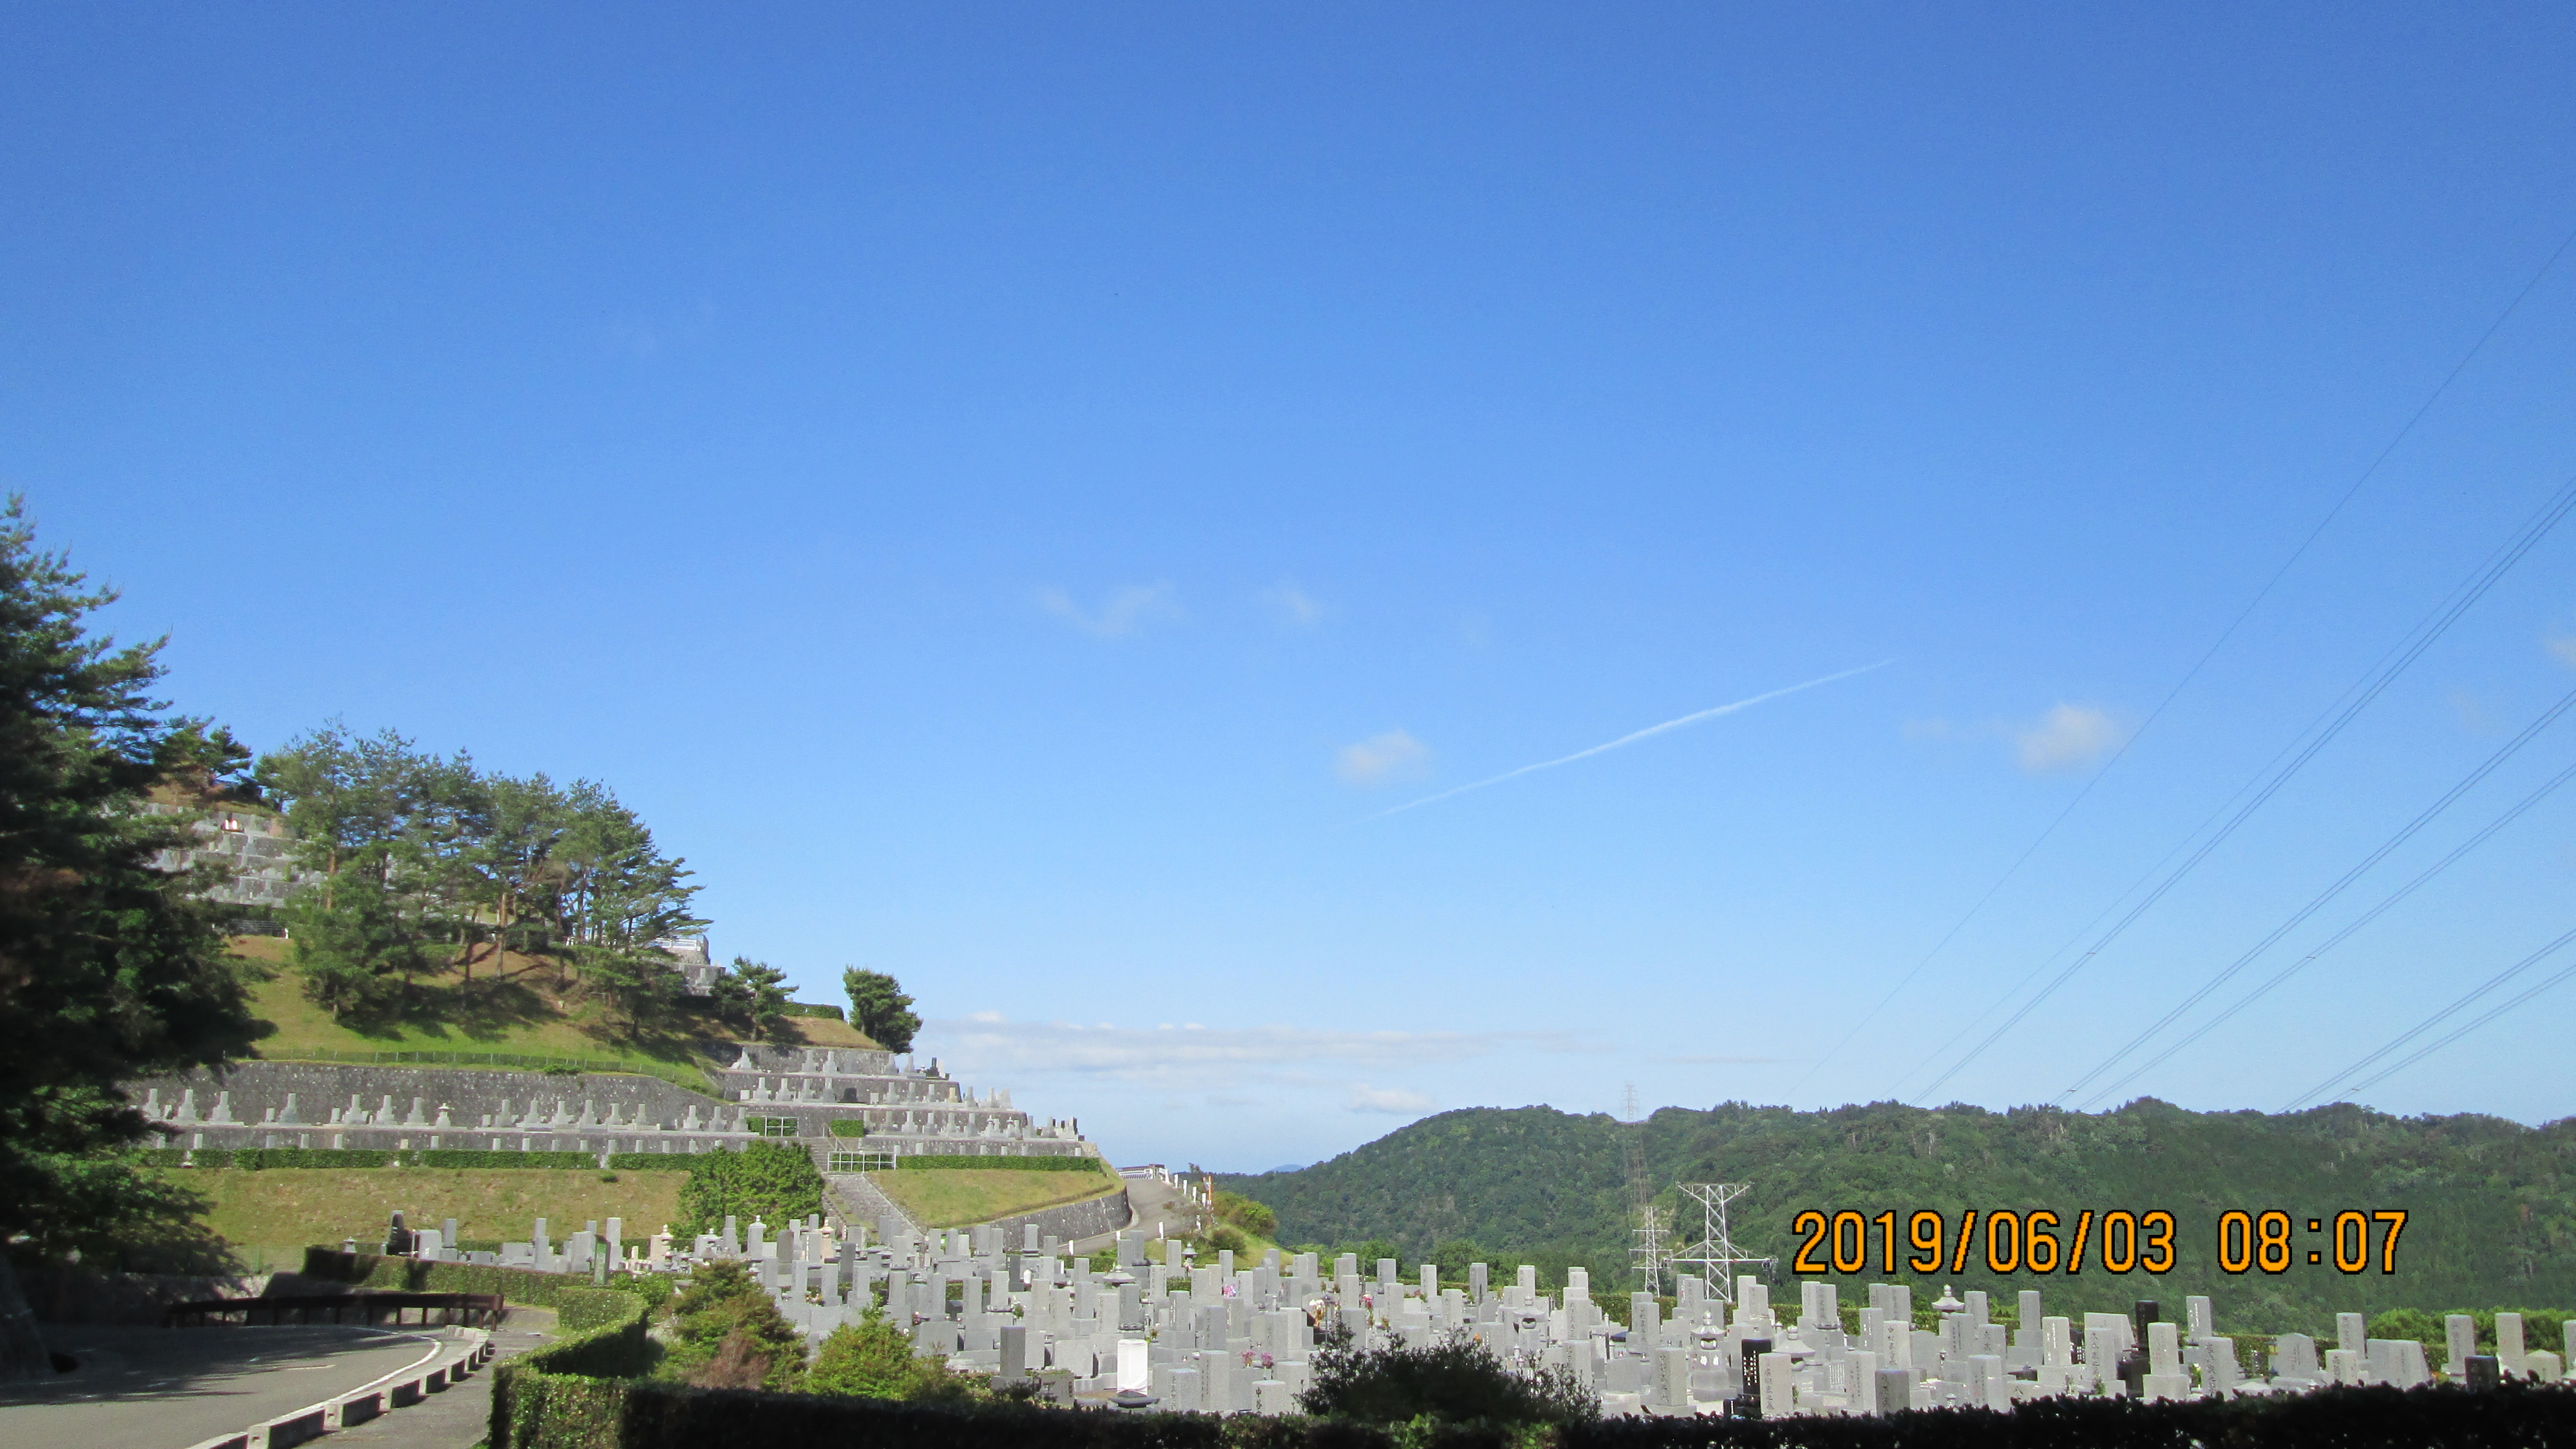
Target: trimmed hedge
[253,1159]
[524,1286]
[579,1310]
[2443,1416]
[486,1157]
[553,1411]
[809,1008]
[653,1161]
[569,1393]
[262,1158]
[910,1163]
[848,1127]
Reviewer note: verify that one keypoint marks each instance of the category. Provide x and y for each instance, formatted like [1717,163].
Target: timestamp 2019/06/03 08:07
[2113,1240]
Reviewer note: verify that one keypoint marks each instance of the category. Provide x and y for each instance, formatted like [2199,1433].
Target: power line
[2384,1075]
[2401,435]
[2372,686]
[2326,897]
[2135,886]
[2445,1014]
[2546,789]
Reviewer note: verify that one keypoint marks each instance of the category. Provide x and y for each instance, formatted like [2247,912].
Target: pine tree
[110,967]
[879,1009]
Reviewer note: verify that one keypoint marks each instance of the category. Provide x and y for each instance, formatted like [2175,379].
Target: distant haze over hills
[2492,1215]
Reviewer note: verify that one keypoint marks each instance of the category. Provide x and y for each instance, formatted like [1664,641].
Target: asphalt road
[168,1388]
[457,1418]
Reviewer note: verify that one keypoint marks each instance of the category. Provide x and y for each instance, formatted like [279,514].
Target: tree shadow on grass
[679,1033]
[484,1010]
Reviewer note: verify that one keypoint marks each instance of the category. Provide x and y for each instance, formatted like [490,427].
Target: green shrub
[772,1181]
[566,1395]
[848,1127]
[1459,1381]
[579,1310]
[870,1359]
[652,1161]
[726,1333]
[2412,1323]
[514,1285]
[576,1414]
[1254,1218]
[810,1008]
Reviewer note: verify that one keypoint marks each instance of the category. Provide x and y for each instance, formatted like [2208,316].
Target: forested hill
[2492,1222]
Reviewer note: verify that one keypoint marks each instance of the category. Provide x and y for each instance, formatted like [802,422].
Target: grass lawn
[272,1215]
[955,1198]
[512,1005]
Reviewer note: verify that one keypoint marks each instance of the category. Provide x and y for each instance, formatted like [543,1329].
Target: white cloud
[1719,1061]
[1295,607]
[1125,611]
[2068,737]
[1381,759]
[1198,1053]
[1392,1100]
[2564,648]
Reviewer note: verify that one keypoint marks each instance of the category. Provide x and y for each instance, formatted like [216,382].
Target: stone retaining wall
[1069,1221]
[539,1111]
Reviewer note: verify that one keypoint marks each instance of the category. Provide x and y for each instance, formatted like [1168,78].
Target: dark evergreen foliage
[2492,1203]
[879,1009]
[110,968]
[1457,1380]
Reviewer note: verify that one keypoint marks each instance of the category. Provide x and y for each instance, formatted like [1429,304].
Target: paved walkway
[460,1417]
[1156,1205]
[167,1388]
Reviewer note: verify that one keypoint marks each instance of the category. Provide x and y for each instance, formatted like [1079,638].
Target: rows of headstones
[820,1093]
[1219,1338]
[531,1126]
[867,1087]
[592,1250]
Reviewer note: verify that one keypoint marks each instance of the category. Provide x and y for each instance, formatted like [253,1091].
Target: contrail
[1628,739]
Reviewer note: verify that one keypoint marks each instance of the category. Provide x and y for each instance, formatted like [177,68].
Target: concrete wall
[1073,1220]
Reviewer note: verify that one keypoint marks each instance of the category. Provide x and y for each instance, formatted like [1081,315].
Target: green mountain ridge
[2491,1219]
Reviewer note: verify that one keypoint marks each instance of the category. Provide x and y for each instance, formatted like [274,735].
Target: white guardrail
[447,1363]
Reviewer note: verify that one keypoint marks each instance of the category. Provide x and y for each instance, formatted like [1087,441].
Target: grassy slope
[2493,1202]
[515,1009]
[955,1198]
[273,1215]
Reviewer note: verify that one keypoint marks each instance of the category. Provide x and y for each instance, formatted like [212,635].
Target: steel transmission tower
[1715,1253]
[1652,1256]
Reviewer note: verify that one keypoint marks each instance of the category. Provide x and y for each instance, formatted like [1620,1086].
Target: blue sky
[1012,493]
